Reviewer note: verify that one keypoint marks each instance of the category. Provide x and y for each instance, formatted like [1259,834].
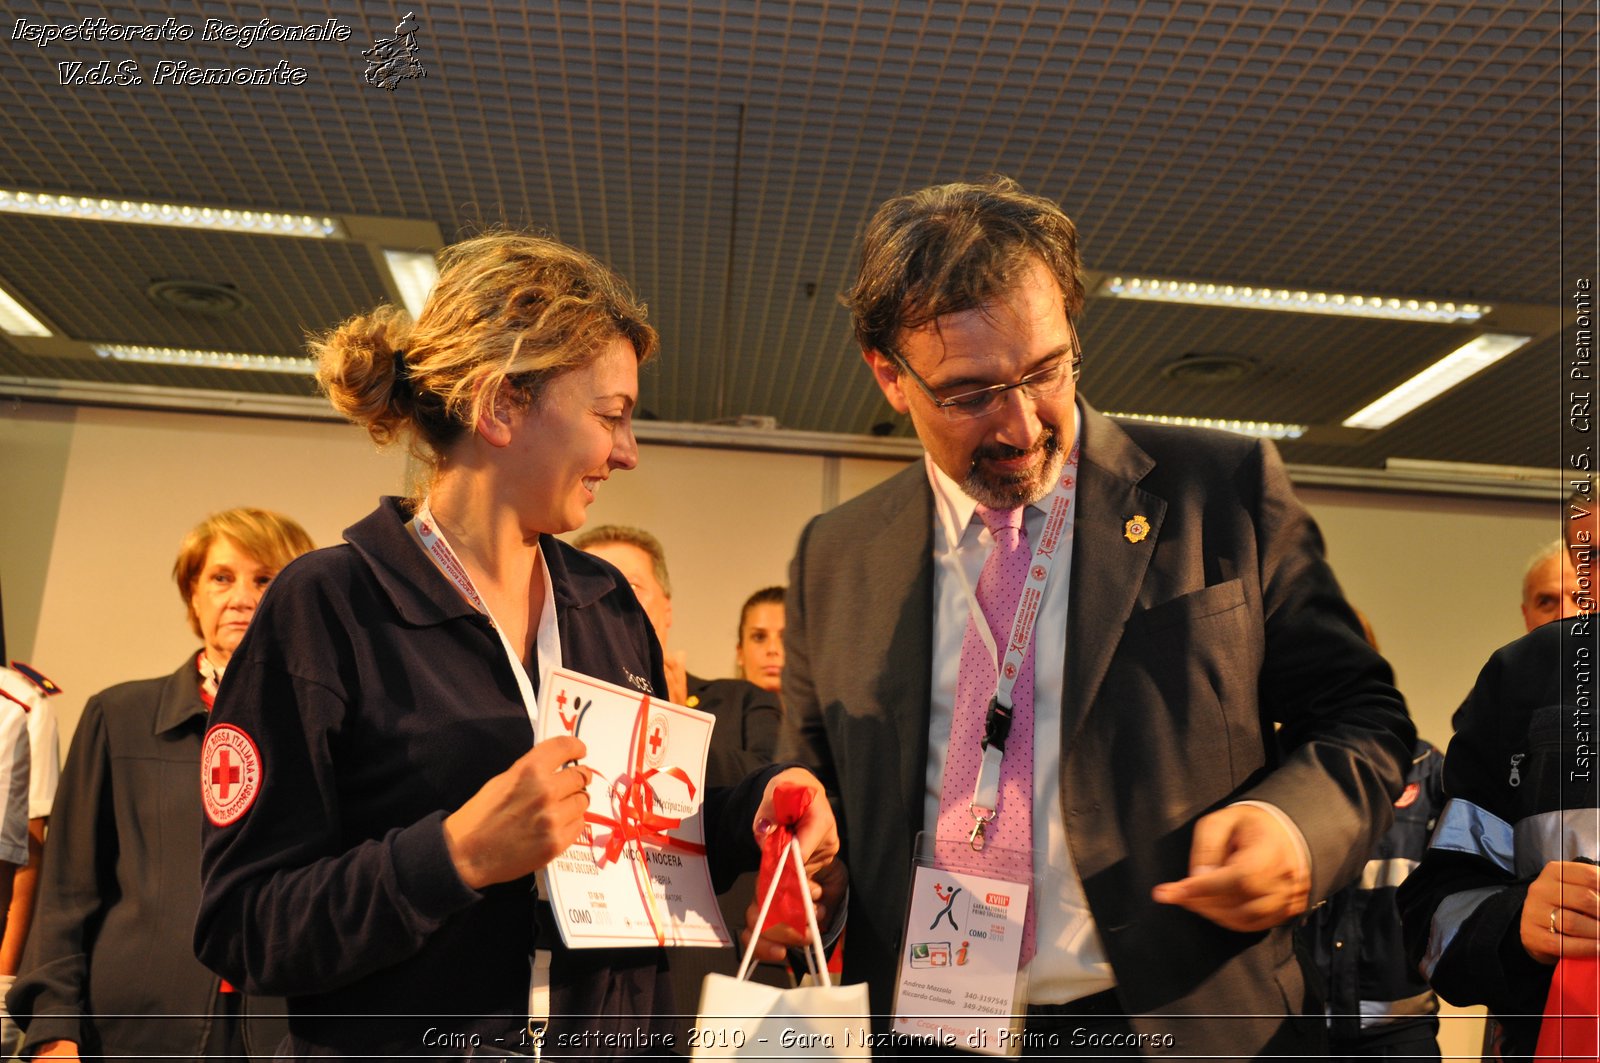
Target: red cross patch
[230,774]
[655,740]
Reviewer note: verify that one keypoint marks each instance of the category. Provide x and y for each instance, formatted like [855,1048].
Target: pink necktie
[1010,836]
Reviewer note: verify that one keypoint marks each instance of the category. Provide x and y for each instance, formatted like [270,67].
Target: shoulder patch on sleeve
[230,774]
[37,678]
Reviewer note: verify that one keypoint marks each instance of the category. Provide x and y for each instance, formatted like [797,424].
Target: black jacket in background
[110,959]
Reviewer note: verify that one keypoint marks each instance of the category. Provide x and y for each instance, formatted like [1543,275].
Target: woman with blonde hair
[384,864]
[109,969]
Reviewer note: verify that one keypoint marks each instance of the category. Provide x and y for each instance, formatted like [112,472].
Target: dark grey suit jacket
[1183,650]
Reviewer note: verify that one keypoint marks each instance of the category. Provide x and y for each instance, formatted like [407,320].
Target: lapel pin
[1136,529]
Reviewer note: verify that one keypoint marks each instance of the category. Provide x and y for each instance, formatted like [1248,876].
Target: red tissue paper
[1571,1029]
[789,803]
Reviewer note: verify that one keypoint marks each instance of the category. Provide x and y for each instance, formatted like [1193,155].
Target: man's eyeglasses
[981,402]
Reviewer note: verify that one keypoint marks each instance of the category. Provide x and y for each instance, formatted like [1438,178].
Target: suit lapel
[1107,567]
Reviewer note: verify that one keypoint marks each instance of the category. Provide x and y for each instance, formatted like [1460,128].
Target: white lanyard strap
[997,720]
[439,551]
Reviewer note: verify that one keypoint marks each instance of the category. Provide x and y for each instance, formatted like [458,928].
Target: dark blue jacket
[1374,995]
[1521,777]
[108,963]
[380,701]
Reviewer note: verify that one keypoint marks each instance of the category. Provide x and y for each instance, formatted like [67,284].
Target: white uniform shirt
[22,699]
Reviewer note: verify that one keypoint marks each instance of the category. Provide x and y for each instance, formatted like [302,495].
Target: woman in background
[759,651]
[384,865]
[109,968]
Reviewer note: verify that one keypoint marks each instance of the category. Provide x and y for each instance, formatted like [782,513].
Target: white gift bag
[746,1019]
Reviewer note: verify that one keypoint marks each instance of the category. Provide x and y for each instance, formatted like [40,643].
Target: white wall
[1440,580]
[728,521]
[91,564]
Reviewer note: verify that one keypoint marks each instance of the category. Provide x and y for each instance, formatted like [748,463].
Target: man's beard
[1009,490]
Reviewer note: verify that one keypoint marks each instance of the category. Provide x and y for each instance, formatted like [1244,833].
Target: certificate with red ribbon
[637,875]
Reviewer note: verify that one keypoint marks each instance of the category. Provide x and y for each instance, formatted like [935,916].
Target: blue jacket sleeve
[287,906]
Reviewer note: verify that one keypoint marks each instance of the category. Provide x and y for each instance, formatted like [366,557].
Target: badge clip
[979,822]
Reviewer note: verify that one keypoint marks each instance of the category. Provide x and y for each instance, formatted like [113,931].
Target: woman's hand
[818,835]
[522,818]
[57,1050]
[1561,914]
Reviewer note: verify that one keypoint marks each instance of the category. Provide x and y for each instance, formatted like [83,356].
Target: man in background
[1549,586]
[742,741]
[747,716]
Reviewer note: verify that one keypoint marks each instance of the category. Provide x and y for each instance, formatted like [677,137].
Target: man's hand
[1246,872]
[676,665]
[1566,895]
[818,835]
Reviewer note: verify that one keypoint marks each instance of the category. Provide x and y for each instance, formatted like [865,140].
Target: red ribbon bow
[635,820]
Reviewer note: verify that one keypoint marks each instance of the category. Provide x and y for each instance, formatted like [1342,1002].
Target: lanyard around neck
[439,551]
[1056,505]
[1008,668]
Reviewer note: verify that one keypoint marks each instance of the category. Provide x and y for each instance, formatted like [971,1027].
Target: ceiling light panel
[414,273]
[179,215]
[1259,429]
[261,363]
[1441,376]
[16,320]
[1292,300]
[93,280]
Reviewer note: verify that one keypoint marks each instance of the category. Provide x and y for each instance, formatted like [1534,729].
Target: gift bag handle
[814,954]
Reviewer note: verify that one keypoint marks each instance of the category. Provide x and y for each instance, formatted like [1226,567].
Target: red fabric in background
[1571,1026]
[789,803]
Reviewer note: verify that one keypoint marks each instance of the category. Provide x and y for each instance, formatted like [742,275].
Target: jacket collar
[421,594]
[180,697]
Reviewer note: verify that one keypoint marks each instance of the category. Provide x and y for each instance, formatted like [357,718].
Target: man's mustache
[1048,444]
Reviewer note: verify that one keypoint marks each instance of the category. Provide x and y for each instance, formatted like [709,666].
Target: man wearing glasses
[1115,645]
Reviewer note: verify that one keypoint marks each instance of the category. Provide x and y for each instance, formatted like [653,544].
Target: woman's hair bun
[358,365]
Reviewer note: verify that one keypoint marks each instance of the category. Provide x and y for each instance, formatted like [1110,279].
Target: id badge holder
[960,982]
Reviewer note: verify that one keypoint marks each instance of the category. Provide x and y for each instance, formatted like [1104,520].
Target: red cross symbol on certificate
[655,740]
[561,709]
[224,775]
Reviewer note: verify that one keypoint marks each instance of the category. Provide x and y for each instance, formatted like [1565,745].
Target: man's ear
[889,378]
[494,416]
